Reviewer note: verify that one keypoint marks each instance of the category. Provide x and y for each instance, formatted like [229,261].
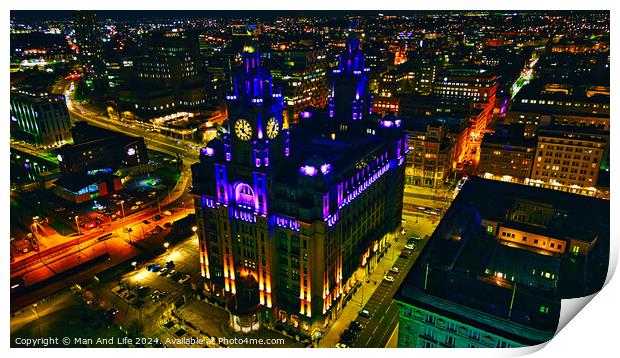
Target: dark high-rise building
[90,48]
[167,80]
[290,222]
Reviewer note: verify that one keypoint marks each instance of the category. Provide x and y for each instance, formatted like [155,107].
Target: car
[177,276]
[168,225]
[388,278]
[170,263]
[171,272]
[163,271]
[414,239]
[356,327]
[139,203]
[364,313]
[403,255]
[146,222]
[157,217]
[135,207]
[149,267]
[410,246]
[154,268]
[394,269]
[184,279]
[127,229]
[341,345]
[167,212]
[112,311]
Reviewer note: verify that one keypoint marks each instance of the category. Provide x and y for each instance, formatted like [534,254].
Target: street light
[77,224]
[166,245]
[194,229]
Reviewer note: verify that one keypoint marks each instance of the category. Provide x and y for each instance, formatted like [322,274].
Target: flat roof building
[498,264]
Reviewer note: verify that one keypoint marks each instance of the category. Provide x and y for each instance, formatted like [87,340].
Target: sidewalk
[361,297]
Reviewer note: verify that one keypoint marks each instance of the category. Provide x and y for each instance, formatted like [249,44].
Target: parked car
[341,345]
[364,313]
[410,246]
[394,269]
[154,268]
[388,278]
[184,279]
[163,271]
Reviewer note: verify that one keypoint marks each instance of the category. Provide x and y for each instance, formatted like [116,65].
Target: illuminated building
[41,120]
[477,87]
[498,264]
[291,221]
[166,80]
[414,76]
[435,148]
[540,105]
[383,105]
[507,155]
[569,158]
[302,74]
[97,150]
[90,48]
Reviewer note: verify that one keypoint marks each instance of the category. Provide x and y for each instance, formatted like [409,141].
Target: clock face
[243,129]
[272,127]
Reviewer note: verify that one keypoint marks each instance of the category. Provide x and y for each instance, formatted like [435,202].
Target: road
[153,140]
[380,326]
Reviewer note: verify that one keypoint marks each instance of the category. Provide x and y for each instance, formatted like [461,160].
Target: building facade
[507,156]
[291,221]
[568,159]
[302,76]
[41,120]
[436,146]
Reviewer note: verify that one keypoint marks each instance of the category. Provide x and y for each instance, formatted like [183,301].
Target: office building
[507,155]
[41,120]
[436,146]
[569,158]
[90,49]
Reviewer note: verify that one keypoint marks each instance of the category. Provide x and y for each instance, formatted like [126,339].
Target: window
[428,332]
[544,309]
[474,334]
[430,319]
[451,326]
[503,344]
[450,341]
[490,229]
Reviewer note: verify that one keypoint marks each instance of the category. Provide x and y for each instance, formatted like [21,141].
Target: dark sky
[29,15]
[140,14]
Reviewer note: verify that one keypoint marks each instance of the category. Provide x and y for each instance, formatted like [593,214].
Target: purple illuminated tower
[350,98]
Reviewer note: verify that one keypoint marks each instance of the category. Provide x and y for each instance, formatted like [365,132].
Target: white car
[388,278]
[394,269]
[410,246]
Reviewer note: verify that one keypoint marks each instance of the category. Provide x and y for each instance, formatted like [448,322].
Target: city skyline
[362,179]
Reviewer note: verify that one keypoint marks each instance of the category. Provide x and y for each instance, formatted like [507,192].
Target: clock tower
[255,136]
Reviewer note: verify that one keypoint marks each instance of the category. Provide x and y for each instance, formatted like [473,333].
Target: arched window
[244,195]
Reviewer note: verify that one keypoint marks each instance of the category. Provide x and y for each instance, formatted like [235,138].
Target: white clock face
[243,129]
[272,127]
